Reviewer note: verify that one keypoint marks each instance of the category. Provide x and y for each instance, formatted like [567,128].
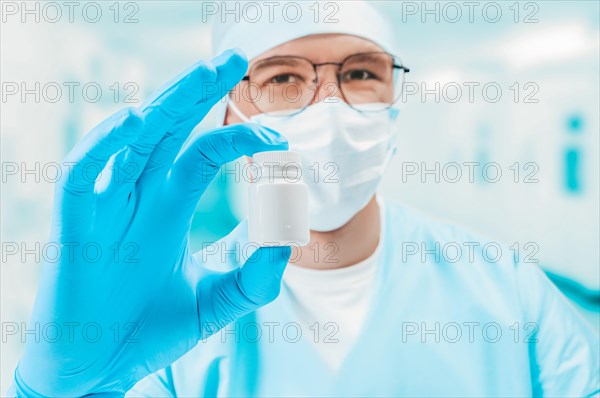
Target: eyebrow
[366,56]
[278,61]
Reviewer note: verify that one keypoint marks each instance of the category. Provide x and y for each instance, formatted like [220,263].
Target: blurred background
[532,113]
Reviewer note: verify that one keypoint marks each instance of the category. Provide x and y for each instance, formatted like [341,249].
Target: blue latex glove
[144,298]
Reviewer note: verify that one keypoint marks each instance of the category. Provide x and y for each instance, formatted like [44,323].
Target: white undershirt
[337,299]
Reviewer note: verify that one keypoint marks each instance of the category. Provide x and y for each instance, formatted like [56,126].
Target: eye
[284,79]
[359,74]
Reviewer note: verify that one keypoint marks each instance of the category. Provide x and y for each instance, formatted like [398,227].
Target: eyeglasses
[286,85]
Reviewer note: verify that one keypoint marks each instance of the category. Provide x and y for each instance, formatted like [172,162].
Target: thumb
[260,277]
[223,298]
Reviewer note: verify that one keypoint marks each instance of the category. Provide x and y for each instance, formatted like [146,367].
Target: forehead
[322,48]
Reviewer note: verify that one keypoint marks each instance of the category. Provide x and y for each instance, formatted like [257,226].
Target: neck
[348,245]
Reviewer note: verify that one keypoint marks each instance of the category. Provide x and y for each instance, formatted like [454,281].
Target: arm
[565,351]
[157,299]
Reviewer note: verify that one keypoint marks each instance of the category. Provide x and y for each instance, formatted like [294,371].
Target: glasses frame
[397,64]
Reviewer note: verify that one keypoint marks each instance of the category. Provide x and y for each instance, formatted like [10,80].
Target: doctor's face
[282,80]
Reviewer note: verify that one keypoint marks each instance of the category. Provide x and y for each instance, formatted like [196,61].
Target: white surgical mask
[344,154]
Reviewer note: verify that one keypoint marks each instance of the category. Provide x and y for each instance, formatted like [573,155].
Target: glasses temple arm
[404,68]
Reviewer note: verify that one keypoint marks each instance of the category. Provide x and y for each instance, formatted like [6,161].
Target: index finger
[203,83]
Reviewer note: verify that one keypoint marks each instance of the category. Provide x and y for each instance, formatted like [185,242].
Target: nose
[328,87]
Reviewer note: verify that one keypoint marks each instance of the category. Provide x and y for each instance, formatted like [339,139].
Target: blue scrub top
[479,323]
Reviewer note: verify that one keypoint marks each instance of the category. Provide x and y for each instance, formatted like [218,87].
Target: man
[361,318]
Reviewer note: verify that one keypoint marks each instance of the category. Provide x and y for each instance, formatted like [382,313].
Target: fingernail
[228,55]
[272,135]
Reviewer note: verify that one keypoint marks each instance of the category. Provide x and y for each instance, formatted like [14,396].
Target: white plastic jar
[278,208]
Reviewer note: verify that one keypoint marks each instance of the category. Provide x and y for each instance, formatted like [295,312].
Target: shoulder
[406,222]
[437,247]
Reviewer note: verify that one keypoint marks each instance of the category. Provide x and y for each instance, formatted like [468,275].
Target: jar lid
[282,157]
[278,164]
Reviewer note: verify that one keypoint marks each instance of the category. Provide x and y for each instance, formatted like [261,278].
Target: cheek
[246,108]
[242,99]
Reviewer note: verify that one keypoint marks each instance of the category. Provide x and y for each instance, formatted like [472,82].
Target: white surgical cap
[258,26]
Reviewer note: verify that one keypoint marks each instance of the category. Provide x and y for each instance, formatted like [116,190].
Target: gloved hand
[126,297]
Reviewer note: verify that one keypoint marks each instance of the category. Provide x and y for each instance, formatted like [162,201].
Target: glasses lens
[371,80]
[282,84]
